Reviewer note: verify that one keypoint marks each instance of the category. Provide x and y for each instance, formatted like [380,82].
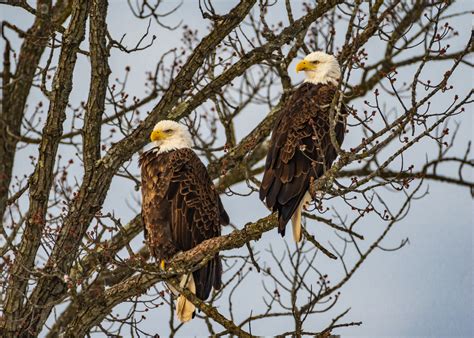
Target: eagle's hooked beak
[305,65]
[156,135]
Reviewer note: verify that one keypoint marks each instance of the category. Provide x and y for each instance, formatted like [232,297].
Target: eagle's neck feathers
[320,79]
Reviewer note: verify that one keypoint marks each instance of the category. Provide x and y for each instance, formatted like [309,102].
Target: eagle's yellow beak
[305,65]
[157,135]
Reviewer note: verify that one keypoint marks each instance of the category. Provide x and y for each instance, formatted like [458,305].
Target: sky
[423,290]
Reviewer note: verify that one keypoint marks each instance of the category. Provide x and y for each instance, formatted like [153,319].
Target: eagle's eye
[315,62]
[168,131]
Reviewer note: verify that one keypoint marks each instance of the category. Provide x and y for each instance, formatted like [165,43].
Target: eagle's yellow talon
[162,264]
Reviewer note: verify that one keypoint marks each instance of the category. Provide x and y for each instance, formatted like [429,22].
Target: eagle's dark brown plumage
[300,149]
[180,209]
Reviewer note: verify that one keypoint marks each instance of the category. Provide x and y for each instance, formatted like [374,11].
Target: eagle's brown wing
[300,149]
[181,209]
[156,172]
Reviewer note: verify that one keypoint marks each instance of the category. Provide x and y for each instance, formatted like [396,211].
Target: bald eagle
[180,208]
[301,147]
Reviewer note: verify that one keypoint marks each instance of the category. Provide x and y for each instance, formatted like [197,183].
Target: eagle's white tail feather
[296,217]
[296,224]
[184,308]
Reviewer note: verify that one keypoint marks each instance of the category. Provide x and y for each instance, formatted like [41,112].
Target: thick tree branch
[42,178]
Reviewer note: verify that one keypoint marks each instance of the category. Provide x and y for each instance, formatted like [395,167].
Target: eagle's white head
[320,67]
[169,135]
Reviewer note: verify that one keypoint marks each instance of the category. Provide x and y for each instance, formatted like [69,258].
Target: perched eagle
[180,207]
[301,147]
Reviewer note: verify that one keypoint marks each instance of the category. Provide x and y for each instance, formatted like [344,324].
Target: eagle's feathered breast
[300,148]
[181,209]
